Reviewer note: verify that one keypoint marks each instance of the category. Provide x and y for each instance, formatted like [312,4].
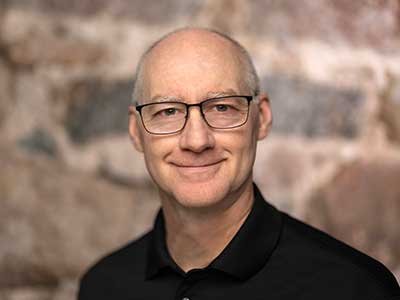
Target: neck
[195,238]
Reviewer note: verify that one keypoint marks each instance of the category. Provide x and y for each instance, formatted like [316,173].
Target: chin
[200,194]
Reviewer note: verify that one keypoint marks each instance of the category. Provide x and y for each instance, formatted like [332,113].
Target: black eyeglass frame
[199,104]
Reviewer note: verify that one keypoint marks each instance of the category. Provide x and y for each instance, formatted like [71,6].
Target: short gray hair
[250,76]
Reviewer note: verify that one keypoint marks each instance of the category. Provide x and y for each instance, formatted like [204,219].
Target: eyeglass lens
[170,117]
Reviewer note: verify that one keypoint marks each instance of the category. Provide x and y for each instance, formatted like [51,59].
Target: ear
[265,116]
[134,130]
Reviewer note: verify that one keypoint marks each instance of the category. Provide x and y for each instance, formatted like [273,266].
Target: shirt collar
[246,253]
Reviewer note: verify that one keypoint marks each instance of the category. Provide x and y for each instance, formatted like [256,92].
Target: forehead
[192,64]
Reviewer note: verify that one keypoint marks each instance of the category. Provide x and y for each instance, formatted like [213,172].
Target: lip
[198,172]
[203,165]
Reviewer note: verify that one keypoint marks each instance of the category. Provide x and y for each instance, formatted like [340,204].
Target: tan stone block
[54,223]
[6,89]
[31,39]
[26,293]
[390,109]
[361,206]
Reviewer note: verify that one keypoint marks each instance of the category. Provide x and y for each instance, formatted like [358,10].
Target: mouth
[198,171]
[197,165]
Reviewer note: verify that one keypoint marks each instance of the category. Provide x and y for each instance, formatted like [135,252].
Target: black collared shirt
[272,256]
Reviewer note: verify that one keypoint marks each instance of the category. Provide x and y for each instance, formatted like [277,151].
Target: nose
[196,136]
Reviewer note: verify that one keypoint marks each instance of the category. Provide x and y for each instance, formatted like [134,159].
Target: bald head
[199,49]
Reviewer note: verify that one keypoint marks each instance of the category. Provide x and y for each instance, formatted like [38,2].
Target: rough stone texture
[39,141]
[26,293]
[65,47]
[306,108]
[97,108]
[361,206]
[343,21]
[390,109]
[163,12]
[112,156]
[30,107]
[5,89]
[55,222]
[334,22]
[287,169]
[71,184]
[65,290]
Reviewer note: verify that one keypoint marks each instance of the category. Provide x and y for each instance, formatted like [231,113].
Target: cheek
[247,145]
[248,150]
[241,146]
[156,149]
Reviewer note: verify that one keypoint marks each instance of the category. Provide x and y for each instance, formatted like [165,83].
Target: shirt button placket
[191,278]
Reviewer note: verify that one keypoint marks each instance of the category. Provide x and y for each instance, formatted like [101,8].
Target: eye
[168,111]
[221,107]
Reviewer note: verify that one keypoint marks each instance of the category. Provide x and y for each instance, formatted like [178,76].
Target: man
[198,119]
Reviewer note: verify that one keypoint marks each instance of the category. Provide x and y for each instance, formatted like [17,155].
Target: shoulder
[132,254]
[125,262]
[334,261]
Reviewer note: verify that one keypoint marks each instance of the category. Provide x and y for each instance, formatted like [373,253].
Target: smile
[198,172]
[205,165]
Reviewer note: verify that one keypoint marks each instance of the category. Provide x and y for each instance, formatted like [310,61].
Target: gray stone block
[39,141]
[98,107]
[309,109]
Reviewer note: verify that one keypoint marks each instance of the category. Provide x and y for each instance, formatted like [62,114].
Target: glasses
[170,117]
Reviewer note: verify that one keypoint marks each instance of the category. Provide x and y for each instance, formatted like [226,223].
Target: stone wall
[71,186]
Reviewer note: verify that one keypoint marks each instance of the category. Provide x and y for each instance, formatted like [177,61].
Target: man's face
[200,166]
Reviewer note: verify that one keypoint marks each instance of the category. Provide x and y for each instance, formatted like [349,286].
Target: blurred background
[72,188]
